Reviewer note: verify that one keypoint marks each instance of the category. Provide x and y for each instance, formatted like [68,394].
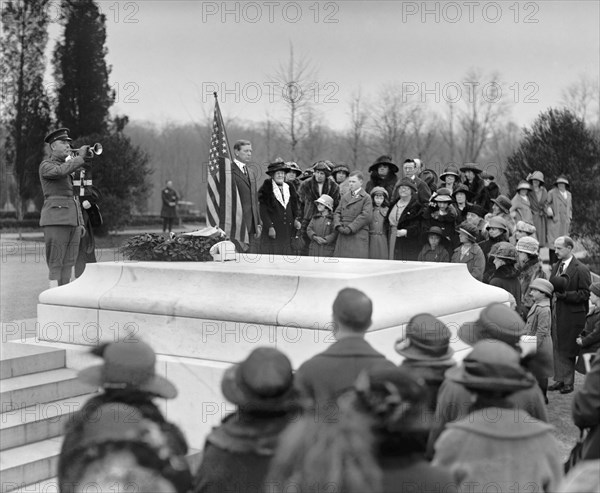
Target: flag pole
[222,124]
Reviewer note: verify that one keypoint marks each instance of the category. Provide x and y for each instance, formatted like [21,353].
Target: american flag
[223,205]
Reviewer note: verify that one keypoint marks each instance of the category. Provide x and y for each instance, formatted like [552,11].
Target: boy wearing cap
[469,251]
[539,321]
[320,229]
[61,215]
[433,251]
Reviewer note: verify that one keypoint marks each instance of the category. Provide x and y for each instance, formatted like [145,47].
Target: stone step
[29,463]
[51,485]
[38,422]
[39,388]
[23,359]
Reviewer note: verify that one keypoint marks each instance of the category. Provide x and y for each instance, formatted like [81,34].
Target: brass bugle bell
[94,150]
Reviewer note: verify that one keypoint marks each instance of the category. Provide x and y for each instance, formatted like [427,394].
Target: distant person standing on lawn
[169,206]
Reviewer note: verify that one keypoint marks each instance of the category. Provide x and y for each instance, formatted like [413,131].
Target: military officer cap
[60,134]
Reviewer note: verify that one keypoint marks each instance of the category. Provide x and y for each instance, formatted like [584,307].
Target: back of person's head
[318,452]
[352,310]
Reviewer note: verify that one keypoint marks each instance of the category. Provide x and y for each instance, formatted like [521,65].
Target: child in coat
[434,251]
[378,228]
[539,320]
[469,251]
[320,229]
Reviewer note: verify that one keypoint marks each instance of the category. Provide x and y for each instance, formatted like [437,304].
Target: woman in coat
[384,173]
[404,218]
[530,267]
[506,276]
[351,220]
[520,209]
[538,198]
[476,186]
[560,212]
[278,211]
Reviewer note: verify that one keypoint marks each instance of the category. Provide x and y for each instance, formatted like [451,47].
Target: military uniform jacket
[61,207]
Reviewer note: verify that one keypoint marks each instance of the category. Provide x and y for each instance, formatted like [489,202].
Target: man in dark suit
[326,375]
[571,280]
[246,181]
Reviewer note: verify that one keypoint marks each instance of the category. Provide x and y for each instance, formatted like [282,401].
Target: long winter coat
[570,307]
[501,451]
[560,222]
[378,234]
[278,212]
[539,322]
[532,269]
[409,246]
[321,225]
[507,277]
[169,203]
[446,222]
[309,192]
[474,259]
[521,209]
[479,194]
[538,210]
[389,182]
[354,212]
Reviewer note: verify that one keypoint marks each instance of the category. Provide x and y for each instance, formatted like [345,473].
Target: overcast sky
[168,56]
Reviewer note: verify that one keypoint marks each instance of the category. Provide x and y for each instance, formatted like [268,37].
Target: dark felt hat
[474,167]
[277,165]
[436,230]
[442,195]
[407,182]
[128,365]
[492,366]
[396,398]
[450,170]
[560,282]
[496,321]
[324,166]
[386,160]
[463,189]
[340,167]
[294,167]
[503,202]
[469,229]
[498,222]
[477,209]
[264,381]
[427,339]
[59,134]
[504,250]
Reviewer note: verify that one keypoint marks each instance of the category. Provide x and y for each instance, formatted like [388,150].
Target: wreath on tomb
[171,248]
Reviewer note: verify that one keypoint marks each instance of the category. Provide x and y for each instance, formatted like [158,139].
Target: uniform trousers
[62,247]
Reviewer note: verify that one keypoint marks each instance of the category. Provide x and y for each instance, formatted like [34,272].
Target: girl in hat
[340,174]
[497,231]
[442,214]
[320,229]
[498,447]
[384,173]
[279,211]
[530,267]
[559,210]
[434,250]
[450,178]
[539,321]
[538,198]
[378,228]
[521,205]
[469,252]
[461,196]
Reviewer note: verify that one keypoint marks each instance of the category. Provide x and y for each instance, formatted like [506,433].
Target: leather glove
[272,234]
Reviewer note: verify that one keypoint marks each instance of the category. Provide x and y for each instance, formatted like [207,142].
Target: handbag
[297,242]
[576,453]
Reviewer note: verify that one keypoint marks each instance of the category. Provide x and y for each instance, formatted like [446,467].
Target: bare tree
[358,120]
[294,82]
[581,97]
[423,130]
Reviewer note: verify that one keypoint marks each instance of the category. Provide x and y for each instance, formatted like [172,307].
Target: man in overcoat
[571,280]
[351,220]
[246,179]
[168,211]
[61,213]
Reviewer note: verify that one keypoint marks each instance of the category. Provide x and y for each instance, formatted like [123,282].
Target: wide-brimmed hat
[325,200]
[562,179]
[324,166]
[426,339]
[294,167]
[469,229]
[492,366]
[306,174]
[386,160]
[524,185]
[443,195]
[340,167]
[264,381]
[379,191]
[503,202]
[496,321]
[536,175]
[529,245]
[277,165]
[504,250]
[476,209]
[407,182]
[396,398]
[462,188]
[542,285]
[471,167]
[128,365]
[450,170]
[498,222]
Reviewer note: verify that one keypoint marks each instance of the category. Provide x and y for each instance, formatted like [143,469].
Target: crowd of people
[348,419]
